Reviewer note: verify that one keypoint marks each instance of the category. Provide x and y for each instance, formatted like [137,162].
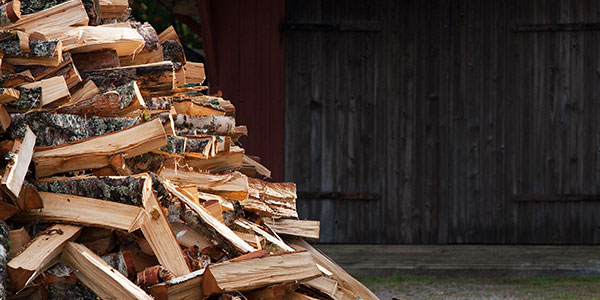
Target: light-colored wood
[214,209]
[29,198]
[191,107]
[10,12]
[19,238]
[250,238]
[188,237]
[102,279]
[8,95]
[259,272]
[223,161]
[143,57]
[271,199]
[180,78]
[87,91]
[168,34]
[297,296]
[261,169]
[16,79]
[201,212]
[194,72]
[233,186]
[251,226]
[186,287]
[113,8]
[123,39]
[349,286]
[96,152]
[118,163]
[60,16]
[54,90]
[159,234]
[41,254]
[82,210]
[275,292]
[326,286]
[4,119]
[307,229]
[14,176]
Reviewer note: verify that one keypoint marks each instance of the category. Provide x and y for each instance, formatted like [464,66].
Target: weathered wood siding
[448,114]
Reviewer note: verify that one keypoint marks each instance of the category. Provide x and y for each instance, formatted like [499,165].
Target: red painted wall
[249,53]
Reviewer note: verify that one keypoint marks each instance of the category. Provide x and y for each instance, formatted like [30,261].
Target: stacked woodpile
[123,180]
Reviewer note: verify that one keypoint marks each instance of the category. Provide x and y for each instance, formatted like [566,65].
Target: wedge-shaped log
[58,17]
[54,90]
[41,254]
[118,102]
[205,216]
[328,287]
[82,210]
[96,152]
[14,176]
[259,272]
[159,234]
[144,57]
[4,119]
[41,53]
[223,161]
[188,237]
[86,91]
[180,288]
[7,210]
[151,78]
[348,285]
[123,39]
[19,239]
[307,229]
[192,106]
[271,199]
[8,95]
[233,186]
[269,237]
[102,279]
[113,8]
[10,12]
[194,72]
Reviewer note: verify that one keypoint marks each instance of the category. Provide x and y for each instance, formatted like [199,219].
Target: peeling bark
[57,129]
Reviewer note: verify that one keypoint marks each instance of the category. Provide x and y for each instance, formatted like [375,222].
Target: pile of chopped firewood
[123,179]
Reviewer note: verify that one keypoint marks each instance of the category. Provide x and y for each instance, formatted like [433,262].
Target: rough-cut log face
[28,99]
[4,250]
[33,6]
[173,51]
[150,36]
[126,190]
[57,129]
[36,48]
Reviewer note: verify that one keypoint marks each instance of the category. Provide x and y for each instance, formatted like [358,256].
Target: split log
[8,95]
[96,60]
[143,57]
[102,279]
[261,169]
[54,90]
[151,78]
[20,158]
[206,218]
[92,7]
[173,51]
[57,129]
[113,8]
[349,286]
[188,237]
[41,254]
[272,239]
[168,34]
[182,146]
[28,99]
[87,91]
[298,296]
[4,253]
[121,101]
[258,272]
[4,119]
[121,38]
[197,108]
[96,152]
[223,161]
[99,240]
[19,239]
[271,199]
[148,33]
[83,211]
[69,13]
[200,126]
[180,288]
[158,233]
[10,12]
[194,72]
[276,292]
[7,210]
[44,53]
[233,186]
[29,198]
[70,73]
[300,228]
[16,79]
[327,286]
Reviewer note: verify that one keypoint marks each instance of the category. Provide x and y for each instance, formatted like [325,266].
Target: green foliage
[160,18]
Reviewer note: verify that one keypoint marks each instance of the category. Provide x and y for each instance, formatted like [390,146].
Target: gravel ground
[426,287]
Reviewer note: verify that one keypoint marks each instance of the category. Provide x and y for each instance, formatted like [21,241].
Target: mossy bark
[147,162]
[57,129]
[126,190]
[65,291]
[195,222]
[158,103]
[148,33]
[4,249]
[36,48]
[33,6]
[28,99]
[126,94]
[173,51]
[181,145]
[150,78]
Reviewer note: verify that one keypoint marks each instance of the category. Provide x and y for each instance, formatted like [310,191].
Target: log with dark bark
[33,6]
[10,12]
[57,129]
[13,80]
[28,99]
[95,60]
[148,33]
[4,251]
[92,7]
[46,53]
[151,78]
[173,51]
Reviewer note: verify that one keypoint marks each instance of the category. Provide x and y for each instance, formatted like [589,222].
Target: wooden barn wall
[448,115]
